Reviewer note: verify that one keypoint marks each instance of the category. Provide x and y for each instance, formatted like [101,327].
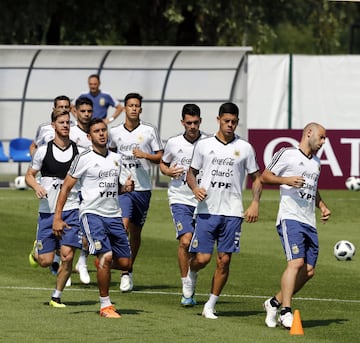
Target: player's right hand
[200,193]
[41,192]
[58,227]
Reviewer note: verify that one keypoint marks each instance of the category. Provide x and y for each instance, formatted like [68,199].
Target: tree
[269,26]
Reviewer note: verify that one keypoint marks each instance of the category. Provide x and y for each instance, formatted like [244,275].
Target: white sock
[212,301]
[56,294]
[192,274]
[105,302]
[183,279]
[82,258]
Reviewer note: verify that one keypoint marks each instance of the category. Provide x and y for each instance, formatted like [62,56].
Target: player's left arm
[252,212]
[325,212]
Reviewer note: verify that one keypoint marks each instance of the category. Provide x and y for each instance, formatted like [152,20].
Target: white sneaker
[208,313]
[126,283]
[68,282]
[189,284]
[271,314]
[286,320]
[83,272]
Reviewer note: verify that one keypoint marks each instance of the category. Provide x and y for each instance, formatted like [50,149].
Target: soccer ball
[20,183]
[352,183]
[344,250]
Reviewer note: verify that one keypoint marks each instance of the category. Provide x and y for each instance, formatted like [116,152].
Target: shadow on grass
[143,288]
[322,322]
[121,311]
[236,313]
[76,303]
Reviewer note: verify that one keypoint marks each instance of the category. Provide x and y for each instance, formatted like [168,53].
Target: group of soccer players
[106,182]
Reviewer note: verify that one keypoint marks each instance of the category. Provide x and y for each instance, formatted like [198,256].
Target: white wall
[324,89]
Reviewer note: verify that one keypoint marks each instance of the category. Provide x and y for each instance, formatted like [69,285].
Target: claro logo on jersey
[224,173]
[110,187]
[129,161]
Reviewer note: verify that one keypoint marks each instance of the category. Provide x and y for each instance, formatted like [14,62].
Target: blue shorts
[299,240]
[45,239]
[183,218]
[134,205]
[224,230]
[105,234]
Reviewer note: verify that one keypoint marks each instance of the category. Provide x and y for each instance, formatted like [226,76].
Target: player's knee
[202,260]
[67,256]
[184,243]
[105,259]
[44,261]
[223,263]
[297,263]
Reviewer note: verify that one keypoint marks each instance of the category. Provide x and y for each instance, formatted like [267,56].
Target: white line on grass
[179,294]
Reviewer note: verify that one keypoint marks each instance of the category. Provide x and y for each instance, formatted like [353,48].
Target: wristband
[111,119]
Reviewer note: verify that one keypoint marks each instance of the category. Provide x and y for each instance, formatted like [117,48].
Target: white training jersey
[178,151]
[44,134]
[296,203]
[52,184]
[146,138]
[224,167]
[79,136]
[98,177]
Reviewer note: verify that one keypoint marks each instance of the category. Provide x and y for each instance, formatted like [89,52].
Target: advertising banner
[340,155]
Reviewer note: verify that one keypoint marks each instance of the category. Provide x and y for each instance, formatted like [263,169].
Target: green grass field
[329,304]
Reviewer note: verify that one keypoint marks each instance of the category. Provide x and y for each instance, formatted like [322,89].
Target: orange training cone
[296,327]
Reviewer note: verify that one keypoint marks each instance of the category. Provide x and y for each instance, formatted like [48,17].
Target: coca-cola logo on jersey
[223,161]
[128,147]
[185,161]
[108,173]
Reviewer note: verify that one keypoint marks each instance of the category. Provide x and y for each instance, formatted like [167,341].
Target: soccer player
[297,172]
[139,146]
[101,100]
[78,134]
[224,161]
[98,171]
[175,163]
[44,134]
[53,161]
[45,131]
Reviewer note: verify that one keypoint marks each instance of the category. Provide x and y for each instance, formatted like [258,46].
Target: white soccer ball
[344,250]
[352,183]
[20,182]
